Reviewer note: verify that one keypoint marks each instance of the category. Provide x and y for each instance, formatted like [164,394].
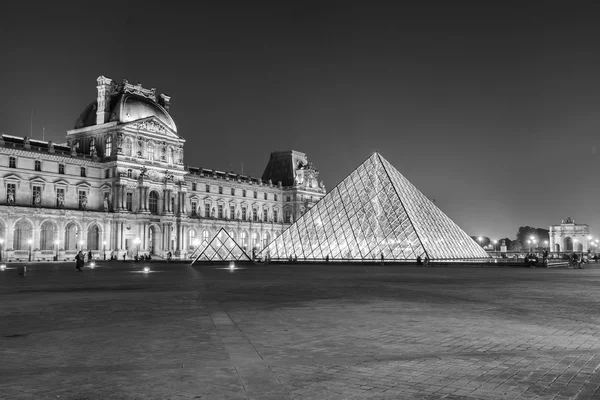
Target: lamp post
[546,245]
[29,242]
[534,244]
[104,249]
[529,242]
[495,243]
[56,242]
[1,247]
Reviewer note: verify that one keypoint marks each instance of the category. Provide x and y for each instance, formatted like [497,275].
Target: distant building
[569,236]
[119,185]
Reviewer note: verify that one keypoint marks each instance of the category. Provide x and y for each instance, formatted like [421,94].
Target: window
[153,202]
[207,188]
[206,210]
[38,165]
[108,146]
[60,197]
[275,196]
[61,169]
[220,189]
[232,212]
[12,162]
[265,196]
[130,173]
[129,201]
[254,214]
[255,194]
[11,193]
[81,197]
[107,173]
[172,204]
[254,240]
[92,143]
[151,151]
[288,217]
[194,186]
[36,194]
[265,215]
[243,213]
[220,210]
[275,215]
[205,236]
[192,241]
[232,191]
[194,206]
[288,198]
[83,171]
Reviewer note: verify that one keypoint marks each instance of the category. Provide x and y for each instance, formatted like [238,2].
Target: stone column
[115,197]
[146,198]
[123,197]
[140,197]
[118,236]
[183,208]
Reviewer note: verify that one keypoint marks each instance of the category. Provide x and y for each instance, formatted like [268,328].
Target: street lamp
[56,242]
[104,249]
[495,243]
[529,242]
[534,244]
[546,244]
[29,241]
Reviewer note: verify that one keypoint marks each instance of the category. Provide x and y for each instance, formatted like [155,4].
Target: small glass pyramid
[375,211]
[221,247]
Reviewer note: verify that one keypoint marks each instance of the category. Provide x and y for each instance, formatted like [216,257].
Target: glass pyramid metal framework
[221,247]
[374,211]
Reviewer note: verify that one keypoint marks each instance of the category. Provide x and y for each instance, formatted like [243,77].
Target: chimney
[164,101]
[104,91]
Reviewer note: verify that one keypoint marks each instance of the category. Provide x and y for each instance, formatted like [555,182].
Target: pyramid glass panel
[221,247]
[375,210]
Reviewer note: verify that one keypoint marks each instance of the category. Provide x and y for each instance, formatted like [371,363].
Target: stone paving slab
[299,332]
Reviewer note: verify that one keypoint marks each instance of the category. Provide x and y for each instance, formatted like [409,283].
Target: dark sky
[491,111]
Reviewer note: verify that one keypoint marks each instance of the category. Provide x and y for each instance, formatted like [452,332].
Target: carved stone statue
[37,200]
[84,202]
[212,212]
[11,198]
[61,200]
[105,203]
[237,214]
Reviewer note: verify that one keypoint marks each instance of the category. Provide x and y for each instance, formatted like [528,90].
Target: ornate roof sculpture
[374,211]
[221,247]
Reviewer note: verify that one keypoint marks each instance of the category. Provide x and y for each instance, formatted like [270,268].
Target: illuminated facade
[569,236]
[375,211]
[119,186]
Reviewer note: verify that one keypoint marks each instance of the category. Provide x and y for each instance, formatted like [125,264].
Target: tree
[526,232]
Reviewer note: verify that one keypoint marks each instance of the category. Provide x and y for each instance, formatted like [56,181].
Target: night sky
[492,112]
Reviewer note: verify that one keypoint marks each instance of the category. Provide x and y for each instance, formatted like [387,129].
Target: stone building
[569,236]
[119,186]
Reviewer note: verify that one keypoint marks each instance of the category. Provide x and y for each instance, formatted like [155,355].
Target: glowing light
[232,265]
[2,267]
[56,242]
[1,240]
[92,265]
[29,241]
[146,269]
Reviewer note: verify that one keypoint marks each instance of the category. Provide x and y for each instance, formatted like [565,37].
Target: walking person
[79,261]
[90,255]
[382,259]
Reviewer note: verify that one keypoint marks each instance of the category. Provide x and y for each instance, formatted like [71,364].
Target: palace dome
[127,107]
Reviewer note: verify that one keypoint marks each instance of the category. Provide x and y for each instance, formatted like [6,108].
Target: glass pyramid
[221,247]
[374,211]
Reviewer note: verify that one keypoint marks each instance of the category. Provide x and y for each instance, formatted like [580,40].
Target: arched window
[108,146]
[255,242]
[192,241]
[205,236]
[128,148]
[92,144]
[47,236]
[93,238]
[153,202]
[22,235]
[130,173]
[151,151]
[244,237]
[71,236]
[170,156]
[265,239]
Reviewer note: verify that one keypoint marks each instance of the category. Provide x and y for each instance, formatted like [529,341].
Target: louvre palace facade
[119,186]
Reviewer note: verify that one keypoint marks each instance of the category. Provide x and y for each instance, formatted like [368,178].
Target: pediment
[37,179]
[61,182]
[12,177]
[105,186]
[83,184]
[153,125]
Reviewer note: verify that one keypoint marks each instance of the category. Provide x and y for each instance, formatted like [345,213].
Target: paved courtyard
[299,332]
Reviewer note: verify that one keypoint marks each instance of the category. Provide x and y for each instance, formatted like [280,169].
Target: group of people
[80,259]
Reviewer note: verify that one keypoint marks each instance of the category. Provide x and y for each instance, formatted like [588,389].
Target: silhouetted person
[79,261]
[382,259]
[419,262]
[90,255]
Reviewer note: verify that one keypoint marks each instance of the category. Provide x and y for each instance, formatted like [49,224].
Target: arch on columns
[206,235]
[48,234]
[94,236]
[579,247]
[557,248]
[154,242]
[72,233]
[244,240]
[23,233]
[568,244]
[266,239]
[153,198]
[255,240]
[3,231]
